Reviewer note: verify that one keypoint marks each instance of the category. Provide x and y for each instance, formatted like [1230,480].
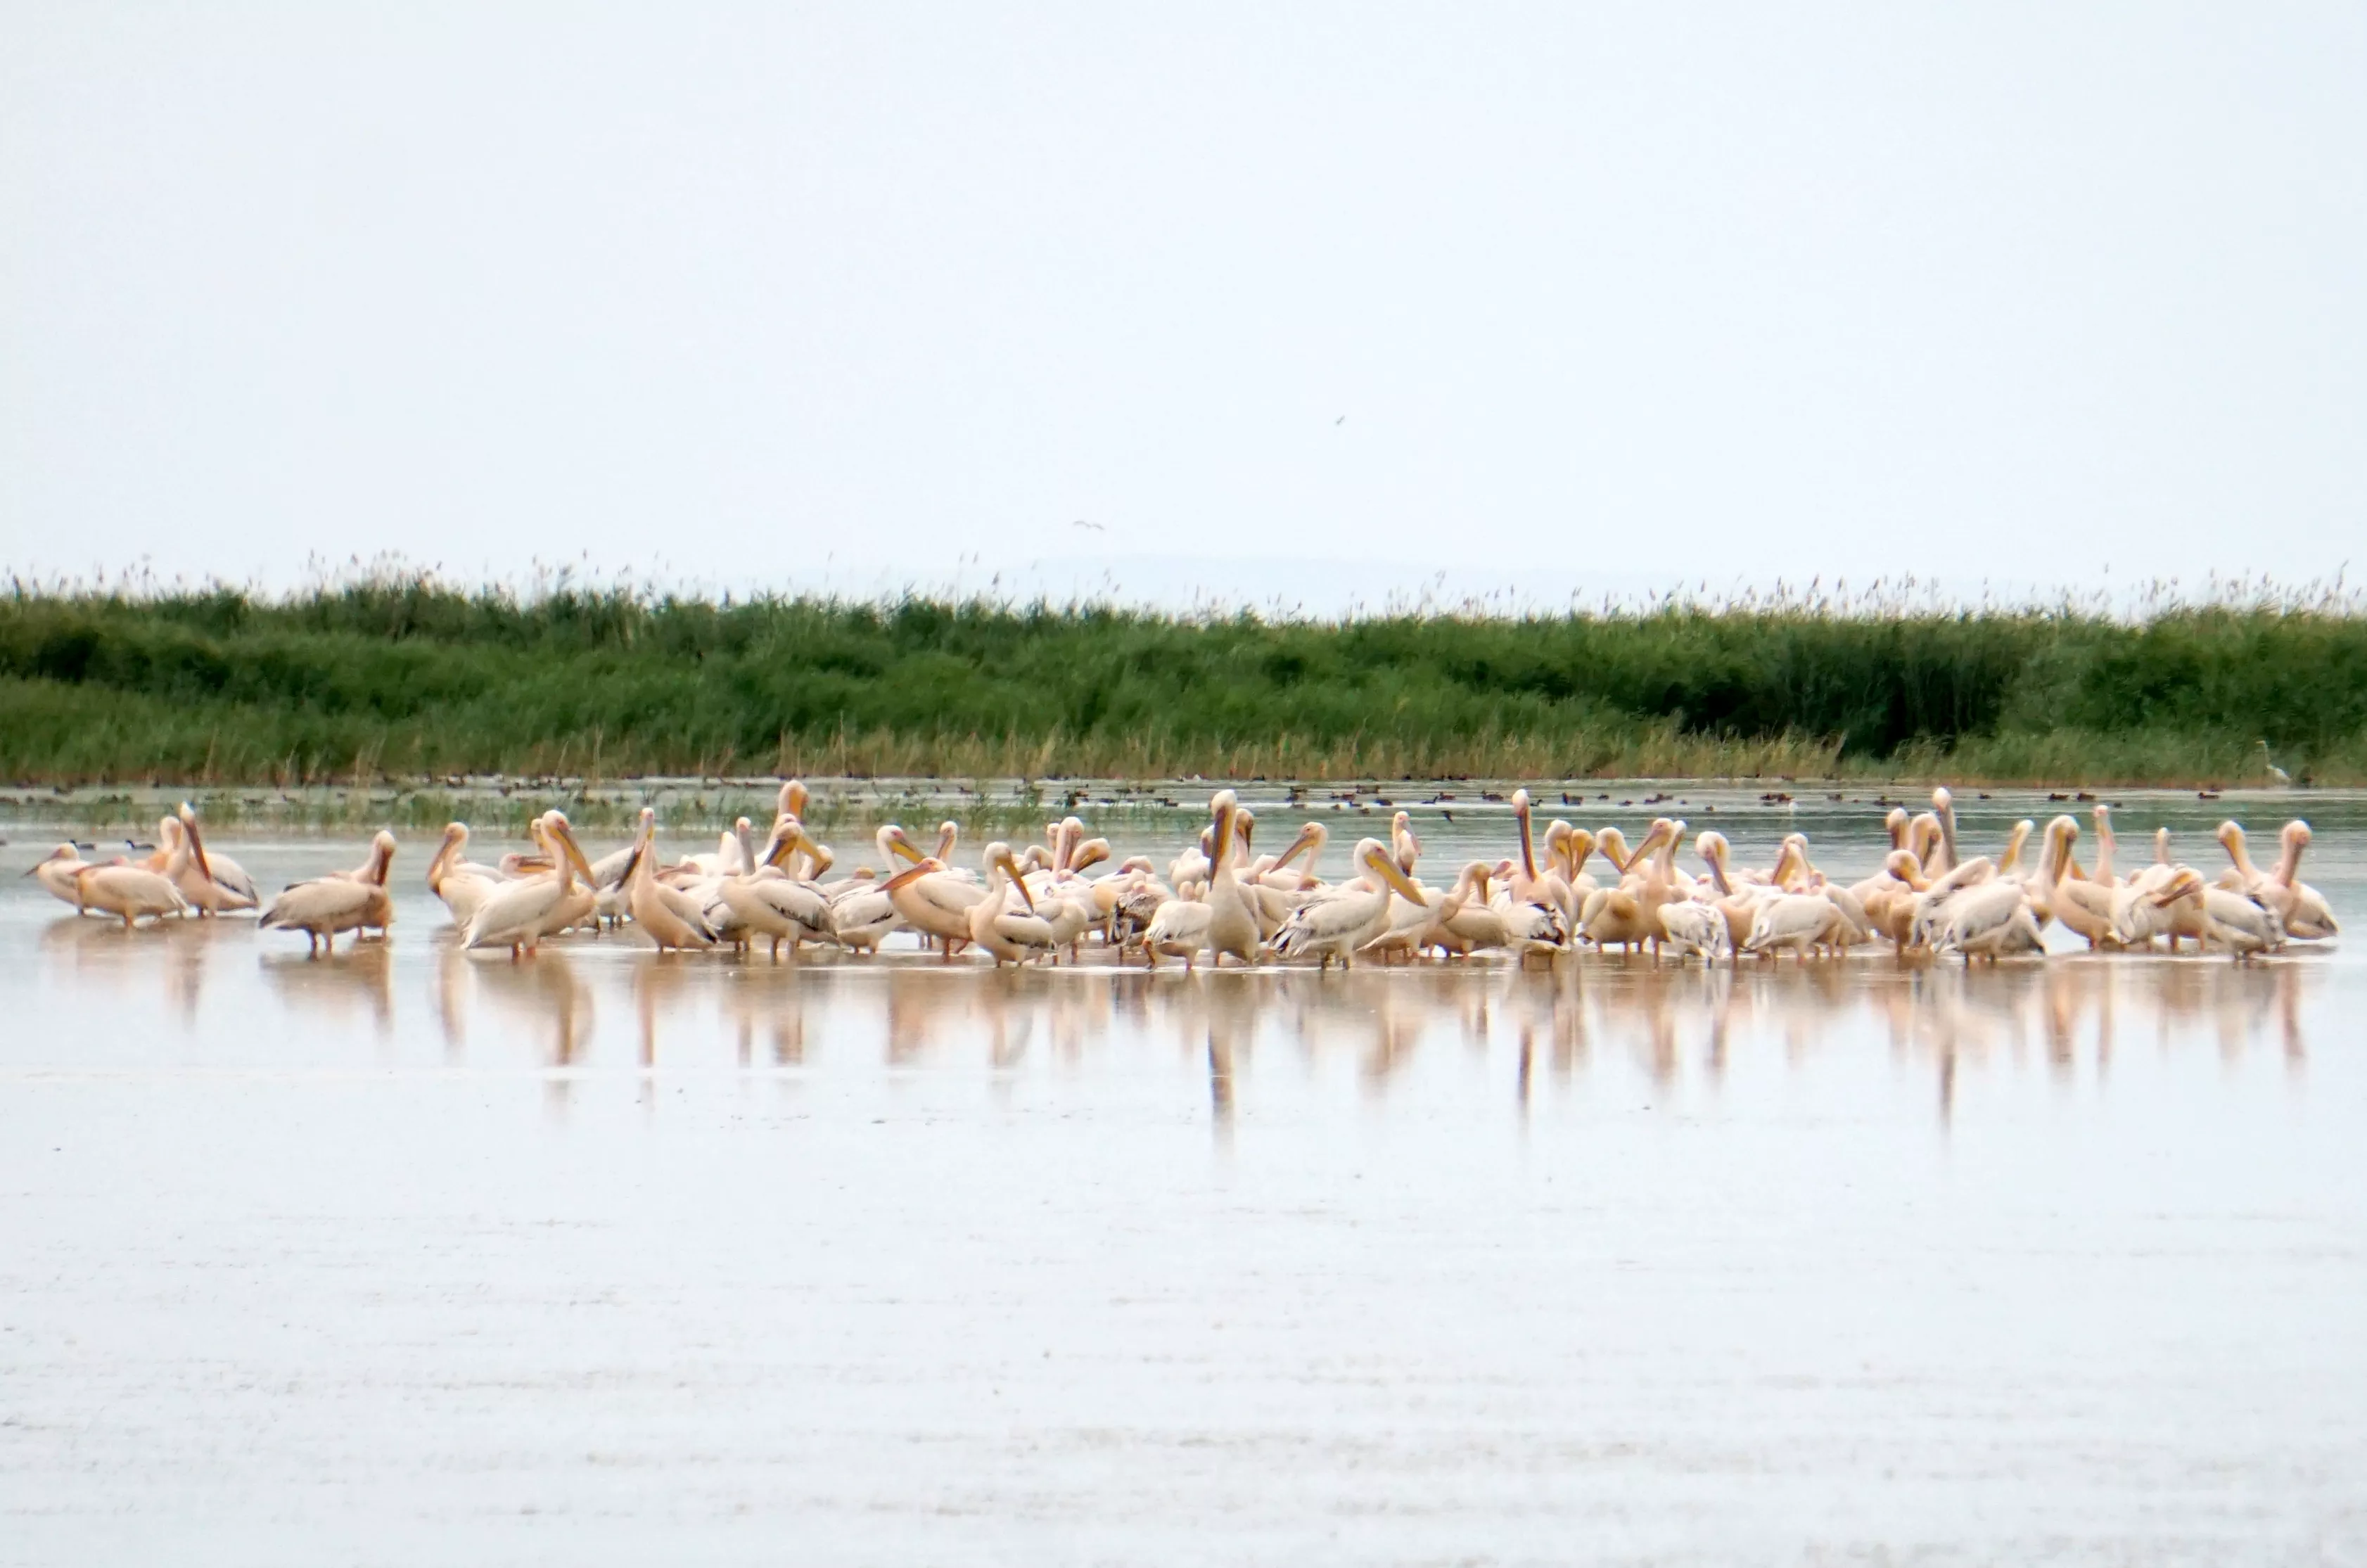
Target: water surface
[412,1255]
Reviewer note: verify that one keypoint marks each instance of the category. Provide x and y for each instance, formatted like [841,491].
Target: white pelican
[1463,921]
[325,906]
[2084,908]
[667,915]
[861,914]
[1336,921]
[928,896]
[2299,907]
[1695,928]
[2244,927]
[768,902]
[1891,910]
[238,887]
[56,872]
[518,914]
[1221,924]
[2303,909]
[1798,921]
[1274,895]
[461,884]
[2146,907]
[1737,902]
[1989,920]
[181,857]
[128,893]
[1128,898]
[1932,904]
[1532,924]
[1008,935]
[1943,807]
[1628,913]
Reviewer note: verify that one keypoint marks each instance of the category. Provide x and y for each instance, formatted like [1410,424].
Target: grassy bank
[405,680]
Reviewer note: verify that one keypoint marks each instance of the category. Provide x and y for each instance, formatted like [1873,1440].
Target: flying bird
[1342,420]
[1081,523]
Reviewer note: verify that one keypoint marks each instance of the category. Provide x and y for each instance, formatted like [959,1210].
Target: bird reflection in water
[766,999]
[337,989]
[1684,1028]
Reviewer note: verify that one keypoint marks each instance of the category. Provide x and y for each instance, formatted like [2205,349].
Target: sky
[1250,300]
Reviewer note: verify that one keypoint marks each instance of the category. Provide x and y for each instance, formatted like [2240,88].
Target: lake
[412,1254]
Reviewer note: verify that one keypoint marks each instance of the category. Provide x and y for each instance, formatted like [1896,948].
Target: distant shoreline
[404,686]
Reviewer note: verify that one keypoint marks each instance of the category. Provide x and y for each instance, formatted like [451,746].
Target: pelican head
[793,798]
[997,861]
[912,873]
[189,815]
[896,845]
[2183,883]
[1375,859]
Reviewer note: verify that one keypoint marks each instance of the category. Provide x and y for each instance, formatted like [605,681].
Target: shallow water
[409,1254]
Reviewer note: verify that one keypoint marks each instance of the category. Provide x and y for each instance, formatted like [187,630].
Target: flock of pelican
[1217,899]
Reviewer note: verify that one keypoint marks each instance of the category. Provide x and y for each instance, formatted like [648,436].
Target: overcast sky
[770,294]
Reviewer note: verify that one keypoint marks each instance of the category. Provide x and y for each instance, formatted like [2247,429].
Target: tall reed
[403,677]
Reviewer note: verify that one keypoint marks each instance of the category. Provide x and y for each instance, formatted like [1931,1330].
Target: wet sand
[410,1256]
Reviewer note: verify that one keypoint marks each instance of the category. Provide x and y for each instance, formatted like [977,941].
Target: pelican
[2300,906]
[1278,892]
[1628,913]
[1737,901]
[1798,921]
[56,872]
[462,884]
[1221,924]
[768,902]
[1944,806]
[1695,928]
[1464,921]
[2303,909]
[238,888]
[2244,927]
[181,857]
[518,914]
[667,916]
[1989,920]
[1007,934]
[128,893]
[861,914]
[1337,921]
[1532,924]
[928,896]
[325,906]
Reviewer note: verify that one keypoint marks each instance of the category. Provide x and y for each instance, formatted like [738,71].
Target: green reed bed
[403,681]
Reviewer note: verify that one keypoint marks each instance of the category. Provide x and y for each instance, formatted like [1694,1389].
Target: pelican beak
[563,832]
[910,874]
[1386,869]
[902,845]
[1011,868]
[801,839]
[196,843]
